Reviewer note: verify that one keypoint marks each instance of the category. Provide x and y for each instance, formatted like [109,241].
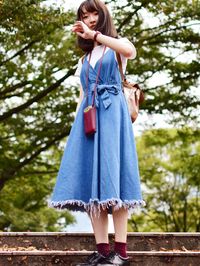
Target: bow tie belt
[102,91]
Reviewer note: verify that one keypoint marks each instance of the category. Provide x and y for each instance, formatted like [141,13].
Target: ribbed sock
[103,249]
[121,248]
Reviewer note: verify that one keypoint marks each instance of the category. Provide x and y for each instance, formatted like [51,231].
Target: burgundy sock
[103,249]
[120,248]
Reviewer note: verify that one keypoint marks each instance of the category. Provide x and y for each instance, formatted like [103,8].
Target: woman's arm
[122,46]
[80,99]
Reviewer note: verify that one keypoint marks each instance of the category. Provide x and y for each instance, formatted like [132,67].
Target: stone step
[85,241]
[70,258]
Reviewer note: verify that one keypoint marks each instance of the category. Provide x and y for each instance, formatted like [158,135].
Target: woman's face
[90,18]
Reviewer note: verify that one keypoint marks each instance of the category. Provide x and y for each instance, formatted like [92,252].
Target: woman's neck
[97,44]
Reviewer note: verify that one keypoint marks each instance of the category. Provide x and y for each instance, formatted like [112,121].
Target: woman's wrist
[94,35]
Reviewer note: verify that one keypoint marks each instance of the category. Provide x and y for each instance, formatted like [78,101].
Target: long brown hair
[104,24]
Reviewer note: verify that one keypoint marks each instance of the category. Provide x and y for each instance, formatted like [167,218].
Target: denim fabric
[100,170]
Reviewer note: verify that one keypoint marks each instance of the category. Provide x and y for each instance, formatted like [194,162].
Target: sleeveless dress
[100,171]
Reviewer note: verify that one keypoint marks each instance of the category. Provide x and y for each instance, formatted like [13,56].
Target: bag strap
[97,77]
[87,77]
[98,74]
[82,58]
[123,77]
[119,60]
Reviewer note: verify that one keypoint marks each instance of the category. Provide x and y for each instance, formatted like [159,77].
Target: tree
[38,55]
[168,46]
[23,203]
[36,111]
[169,166]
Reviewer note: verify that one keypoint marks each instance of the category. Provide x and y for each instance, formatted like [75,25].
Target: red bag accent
[90,120]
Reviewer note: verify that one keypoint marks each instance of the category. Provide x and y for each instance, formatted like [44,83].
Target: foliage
[23,200]
[170,171]
[166,35]
[36,110]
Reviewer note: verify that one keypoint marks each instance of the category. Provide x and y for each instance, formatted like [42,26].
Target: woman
[99,173]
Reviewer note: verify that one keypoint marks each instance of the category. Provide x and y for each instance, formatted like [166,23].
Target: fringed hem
[95,206]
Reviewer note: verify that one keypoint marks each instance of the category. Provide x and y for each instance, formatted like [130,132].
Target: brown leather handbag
[89,114]
[132,92]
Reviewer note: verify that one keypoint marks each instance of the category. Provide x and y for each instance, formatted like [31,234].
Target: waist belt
[103,91]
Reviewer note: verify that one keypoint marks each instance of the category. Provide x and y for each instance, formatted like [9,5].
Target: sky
[84,224]
[73,3]
[66,3]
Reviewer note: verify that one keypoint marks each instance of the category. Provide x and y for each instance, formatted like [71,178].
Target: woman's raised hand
[81,29]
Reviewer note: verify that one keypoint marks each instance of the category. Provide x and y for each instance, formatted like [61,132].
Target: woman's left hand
[82,30]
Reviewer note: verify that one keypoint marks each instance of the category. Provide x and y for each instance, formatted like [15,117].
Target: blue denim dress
[100,171]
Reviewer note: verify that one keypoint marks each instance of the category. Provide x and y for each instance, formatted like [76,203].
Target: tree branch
[128,18]
[37,98]
[19,52]
[40,172]
[13,88]
[10,173]
[164,31]
[161,66]
[157,27]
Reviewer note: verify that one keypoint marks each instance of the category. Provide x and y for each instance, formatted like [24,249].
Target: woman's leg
[100,228]
[120,219]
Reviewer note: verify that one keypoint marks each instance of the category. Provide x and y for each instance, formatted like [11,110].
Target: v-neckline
[94,68]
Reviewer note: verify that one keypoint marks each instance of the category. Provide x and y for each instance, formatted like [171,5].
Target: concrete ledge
[86,253]
[70,258]
[86,241]
[90,234]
